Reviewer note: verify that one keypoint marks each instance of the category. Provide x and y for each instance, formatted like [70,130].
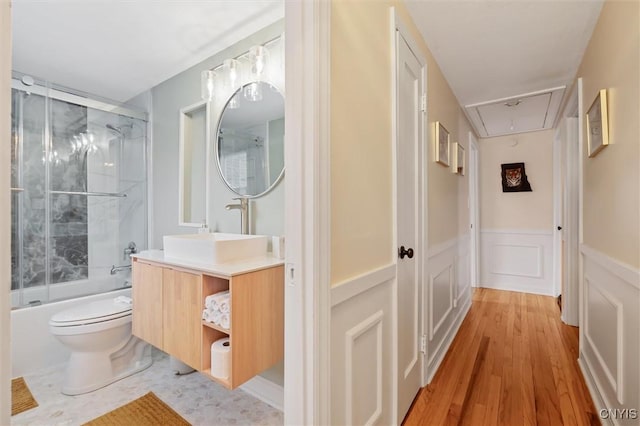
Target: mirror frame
[184,112]
[216,149]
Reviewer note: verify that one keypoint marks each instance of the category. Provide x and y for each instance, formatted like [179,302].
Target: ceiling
[496,52]
[119,49]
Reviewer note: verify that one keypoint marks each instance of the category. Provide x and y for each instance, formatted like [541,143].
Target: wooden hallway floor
[513,362]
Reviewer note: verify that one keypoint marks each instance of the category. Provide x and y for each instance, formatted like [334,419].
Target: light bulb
[206,85]
[231,70]
[258,57]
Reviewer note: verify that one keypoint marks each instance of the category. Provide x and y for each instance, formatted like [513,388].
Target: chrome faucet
[243,206]
[129,250]
[115,269]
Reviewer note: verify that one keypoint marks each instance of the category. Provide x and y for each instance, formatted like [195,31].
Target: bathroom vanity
[169,297]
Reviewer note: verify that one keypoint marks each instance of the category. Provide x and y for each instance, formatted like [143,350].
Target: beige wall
[5,211]
[464,129]
[361,140]
[611,179]
[517,210]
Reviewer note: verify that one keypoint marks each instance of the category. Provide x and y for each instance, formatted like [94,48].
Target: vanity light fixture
[206,85]
[231,78]
[258,58]
[230,75]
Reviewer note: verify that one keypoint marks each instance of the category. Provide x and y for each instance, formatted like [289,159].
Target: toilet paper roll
[221,358]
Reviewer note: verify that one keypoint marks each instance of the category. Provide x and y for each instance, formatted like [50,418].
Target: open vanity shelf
[168,299]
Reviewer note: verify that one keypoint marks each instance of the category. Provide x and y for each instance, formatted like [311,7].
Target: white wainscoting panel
[363,389]
[610,337]
[517,260]
[447,298]
[362,349]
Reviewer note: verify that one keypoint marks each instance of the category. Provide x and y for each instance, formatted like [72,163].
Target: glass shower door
[28,200]
[78,177]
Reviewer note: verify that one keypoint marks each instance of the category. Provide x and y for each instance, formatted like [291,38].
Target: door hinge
[423,103]
[423,344]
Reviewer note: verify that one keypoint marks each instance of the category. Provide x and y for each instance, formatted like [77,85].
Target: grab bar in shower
[91,194]
[17,189]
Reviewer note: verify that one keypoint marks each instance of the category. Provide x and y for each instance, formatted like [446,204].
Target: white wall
[516,228]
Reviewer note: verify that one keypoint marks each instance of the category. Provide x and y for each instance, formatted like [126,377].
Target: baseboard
[518,288]
[266,391]
[433,366]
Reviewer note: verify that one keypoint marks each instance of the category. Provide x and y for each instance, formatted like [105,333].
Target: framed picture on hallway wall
[442,145]
[598,124]
[458,159]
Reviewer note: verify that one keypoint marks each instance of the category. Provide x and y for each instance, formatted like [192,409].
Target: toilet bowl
[103,350]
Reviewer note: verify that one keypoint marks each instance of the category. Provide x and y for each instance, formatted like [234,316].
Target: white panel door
[409,86]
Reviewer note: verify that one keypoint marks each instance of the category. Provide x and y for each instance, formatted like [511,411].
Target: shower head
[118,130]
[114,128]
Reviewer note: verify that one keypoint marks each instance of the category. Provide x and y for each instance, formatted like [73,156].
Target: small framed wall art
[459,163]
[598,124]
[514,178]
[442,145]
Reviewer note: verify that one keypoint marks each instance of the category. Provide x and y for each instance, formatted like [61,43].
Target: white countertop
[225,270]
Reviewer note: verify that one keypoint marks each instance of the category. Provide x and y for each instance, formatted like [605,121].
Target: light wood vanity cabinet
[181,319]
[147,291]
[167,312]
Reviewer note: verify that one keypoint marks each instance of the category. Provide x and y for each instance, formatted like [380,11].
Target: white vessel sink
[215,248]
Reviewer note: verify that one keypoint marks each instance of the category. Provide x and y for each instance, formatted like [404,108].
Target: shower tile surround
[199,400]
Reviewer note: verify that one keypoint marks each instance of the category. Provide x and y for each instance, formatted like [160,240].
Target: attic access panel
[524,113]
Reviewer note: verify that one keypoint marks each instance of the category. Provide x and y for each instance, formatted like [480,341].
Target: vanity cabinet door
[146,293]
[182,320]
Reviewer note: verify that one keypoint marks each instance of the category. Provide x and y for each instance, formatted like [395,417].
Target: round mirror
[250,146]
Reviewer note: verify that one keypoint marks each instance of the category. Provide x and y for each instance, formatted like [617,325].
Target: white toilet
[103,349]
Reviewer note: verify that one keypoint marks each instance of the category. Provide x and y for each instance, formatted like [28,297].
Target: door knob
[402,252]
[559,228]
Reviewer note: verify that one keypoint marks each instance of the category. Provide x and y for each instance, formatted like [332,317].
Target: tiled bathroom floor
[199,400]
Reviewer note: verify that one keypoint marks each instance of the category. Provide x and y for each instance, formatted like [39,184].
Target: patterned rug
[148,410]
[21,397]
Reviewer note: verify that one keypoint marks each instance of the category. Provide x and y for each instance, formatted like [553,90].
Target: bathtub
[32,345]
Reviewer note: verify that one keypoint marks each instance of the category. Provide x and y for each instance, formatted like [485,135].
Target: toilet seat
[91,313]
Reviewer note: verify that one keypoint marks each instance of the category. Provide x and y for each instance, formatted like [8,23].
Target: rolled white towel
[225,305]
[213,301]
[205,315]
[225,321]
[208,301]
[215,317]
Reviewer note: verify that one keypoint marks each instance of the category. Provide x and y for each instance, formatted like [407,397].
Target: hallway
[512,362]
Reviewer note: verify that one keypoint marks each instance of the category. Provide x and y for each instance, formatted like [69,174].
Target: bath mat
[148,410]
[21,397]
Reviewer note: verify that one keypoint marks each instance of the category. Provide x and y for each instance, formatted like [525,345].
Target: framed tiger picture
[514,178]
